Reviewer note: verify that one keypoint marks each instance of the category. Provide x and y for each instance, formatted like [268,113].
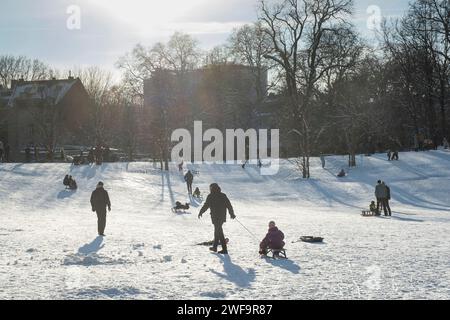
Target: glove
[200,215]
[233,216]
[109,208]
[93,210]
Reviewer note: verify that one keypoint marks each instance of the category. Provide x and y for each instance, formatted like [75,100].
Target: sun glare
[144,14]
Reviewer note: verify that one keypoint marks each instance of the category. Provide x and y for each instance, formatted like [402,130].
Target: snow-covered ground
[49,248]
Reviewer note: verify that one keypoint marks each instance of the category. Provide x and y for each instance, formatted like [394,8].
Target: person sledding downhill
[272,241]
[180,207]
[218,203]
[197,194]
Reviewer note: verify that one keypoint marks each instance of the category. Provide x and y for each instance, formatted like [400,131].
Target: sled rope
[253,236]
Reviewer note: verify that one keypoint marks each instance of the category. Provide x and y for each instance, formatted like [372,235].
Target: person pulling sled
[218,203]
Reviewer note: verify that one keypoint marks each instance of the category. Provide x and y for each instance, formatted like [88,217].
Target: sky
[50,30]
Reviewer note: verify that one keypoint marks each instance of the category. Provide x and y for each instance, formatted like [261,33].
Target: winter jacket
[189,177]
[381,191]
[100,200]
[66,181]
[273,240]
[218,202]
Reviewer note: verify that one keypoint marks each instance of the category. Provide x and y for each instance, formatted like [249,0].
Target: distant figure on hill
[27,154]
[180,166]
[73,184]
[99,202]
[6,153]
[197,193]
[341,174]
[445,143]
[91,157]
[189,178]
[273,240]
[395,155]
[322,161]
[66,181]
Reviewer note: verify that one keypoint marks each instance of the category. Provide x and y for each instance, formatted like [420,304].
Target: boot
[224,250]
[213,249]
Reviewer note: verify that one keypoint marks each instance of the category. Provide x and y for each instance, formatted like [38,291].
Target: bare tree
[297,29]
[167,65]
[20,67]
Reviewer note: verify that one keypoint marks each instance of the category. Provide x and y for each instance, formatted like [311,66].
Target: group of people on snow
[383,196]
[218,204]
[96,155]
[70,182]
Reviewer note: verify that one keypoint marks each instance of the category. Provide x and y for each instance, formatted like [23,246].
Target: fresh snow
[49,248]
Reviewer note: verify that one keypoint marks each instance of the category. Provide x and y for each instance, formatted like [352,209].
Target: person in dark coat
[66,181]
[189,178]
[91,157]
[99,202]
[382,193]
[73,184]
[273,239]
[27,154]
[388,198]
[218,203]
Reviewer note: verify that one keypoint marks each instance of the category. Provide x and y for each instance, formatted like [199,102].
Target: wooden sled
[277,253]
[367,213]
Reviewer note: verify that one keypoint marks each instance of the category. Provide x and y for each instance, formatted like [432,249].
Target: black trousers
[219,236]
[101,222]
[189,187]
[384,203]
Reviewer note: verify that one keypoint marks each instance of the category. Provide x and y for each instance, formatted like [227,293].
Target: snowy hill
[50,249]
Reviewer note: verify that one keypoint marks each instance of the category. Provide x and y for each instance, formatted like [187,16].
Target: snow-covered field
[49,248]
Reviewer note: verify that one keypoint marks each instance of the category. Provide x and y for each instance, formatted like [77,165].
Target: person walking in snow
[273,239]
[99,202]
[189,178]
[322,160]
[218,203]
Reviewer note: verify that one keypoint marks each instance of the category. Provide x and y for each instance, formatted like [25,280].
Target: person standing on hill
[322,161]
[388,198]
[189,178]
[218,203]
[99,202]
[382,193]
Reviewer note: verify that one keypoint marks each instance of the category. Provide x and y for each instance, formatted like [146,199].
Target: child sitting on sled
[197,193]
[273,240]
[373,207]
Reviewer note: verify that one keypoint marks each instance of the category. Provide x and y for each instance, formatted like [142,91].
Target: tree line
[331,91]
